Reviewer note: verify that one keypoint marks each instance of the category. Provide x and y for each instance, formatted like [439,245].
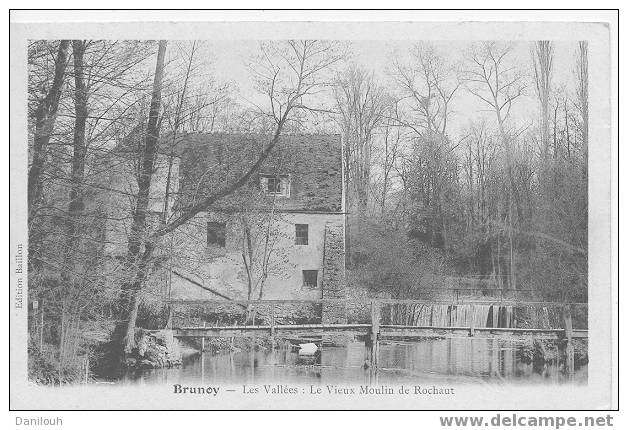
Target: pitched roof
[313,161]
[135,139]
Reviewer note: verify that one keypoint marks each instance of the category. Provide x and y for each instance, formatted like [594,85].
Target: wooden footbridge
[376,320]
[384,331]
[268,326]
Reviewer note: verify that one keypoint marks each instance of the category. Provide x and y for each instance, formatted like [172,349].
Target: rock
[142,344]
[146,364]
[157,349]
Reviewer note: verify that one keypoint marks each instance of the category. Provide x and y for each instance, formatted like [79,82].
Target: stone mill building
[279,236]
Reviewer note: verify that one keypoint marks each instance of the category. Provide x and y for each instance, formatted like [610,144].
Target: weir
[455,315]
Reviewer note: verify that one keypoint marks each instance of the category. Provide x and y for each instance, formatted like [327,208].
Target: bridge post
[203,339]
[569,350]
[272,322]
[472,321]
[374,335]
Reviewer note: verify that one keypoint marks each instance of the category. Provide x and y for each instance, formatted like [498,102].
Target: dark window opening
[276,185]
[216,233]
[301,235]
[310,278]
[273,185]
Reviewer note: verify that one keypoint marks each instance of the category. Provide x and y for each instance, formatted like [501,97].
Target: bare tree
[390,152]
[542,62]
[176,125]
[76,205]
[492,80]
[45,116]
[67,219]
[429,84]
[261,242]
[582,96]
[360,102]
[287,73]
[135,260]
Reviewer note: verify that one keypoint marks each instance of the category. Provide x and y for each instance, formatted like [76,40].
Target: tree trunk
[509,170]
[583,99]
[543,57]
[137,262]
[347,178]
[79,147]
[175,131]
[77,175]
[129,335]
[45,116]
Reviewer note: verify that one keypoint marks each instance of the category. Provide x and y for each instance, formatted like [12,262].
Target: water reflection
[454,360]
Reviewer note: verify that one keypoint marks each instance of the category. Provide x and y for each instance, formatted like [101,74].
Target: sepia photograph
[299,222]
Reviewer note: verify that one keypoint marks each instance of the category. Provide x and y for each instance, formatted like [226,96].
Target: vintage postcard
[311,213]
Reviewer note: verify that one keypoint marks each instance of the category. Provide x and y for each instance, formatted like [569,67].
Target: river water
[456,360]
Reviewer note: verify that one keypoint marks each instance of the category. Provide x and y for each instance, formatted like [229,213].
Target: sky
[228,63]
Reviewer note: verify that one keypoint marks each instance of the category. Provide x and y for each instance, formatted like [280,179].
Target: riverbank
[159,349]
[154,349]
[235,344]
[543,351]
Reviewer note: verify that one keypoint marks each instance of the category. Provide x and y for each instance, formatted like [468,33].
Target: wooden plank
[408,334]
[281,327]
[283,334]
[464,333]
[506,329]
[383,331]
[367,302]
[575,333]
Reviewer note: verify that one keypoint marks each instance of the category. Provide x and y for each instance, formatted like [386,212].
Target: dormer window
[275,185]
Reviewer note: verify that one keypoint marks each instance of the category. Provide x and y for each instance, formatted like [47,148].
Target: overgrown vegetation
[503,198]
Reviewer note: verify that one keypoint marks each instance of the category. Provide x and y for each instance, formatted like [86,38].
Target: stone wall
[334,273]
[222,270]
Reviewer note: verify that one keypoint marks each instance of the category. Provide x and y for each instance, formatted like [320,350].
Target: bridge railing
[426,313]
